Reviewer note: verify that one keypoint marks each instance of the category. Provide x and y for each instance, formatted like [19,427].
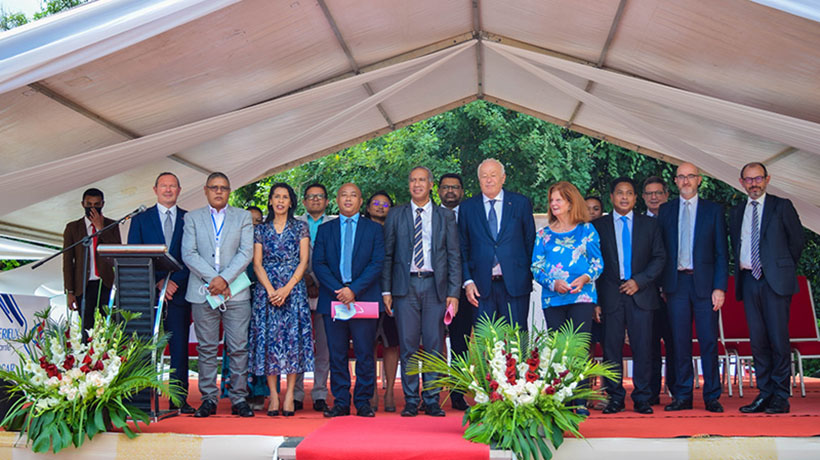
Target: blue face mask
[344,312]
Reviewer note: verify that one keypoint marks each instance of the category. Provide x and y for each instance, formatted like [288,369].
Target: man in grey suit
[217,246]
[422,270]
[315,200]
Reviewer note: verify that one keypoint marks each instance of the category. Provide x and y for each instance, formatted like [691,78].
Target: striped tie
[418,247]
[757,269]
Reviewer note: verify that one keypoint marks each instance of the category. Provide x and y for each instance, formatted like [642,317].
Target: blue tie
[626,247]
[347,251]
[492,220]
[757,268]
[418,243]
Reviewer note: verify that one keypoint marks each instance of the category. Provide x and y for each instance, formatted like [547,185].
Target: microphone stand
[87,241]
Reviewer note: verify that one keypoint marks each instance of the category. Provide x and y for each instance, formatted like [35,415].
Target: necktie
[94,251]
[347,251]
[418,246]
[757,269]
[492,220]
[626,247]
[168,228]
[684,250]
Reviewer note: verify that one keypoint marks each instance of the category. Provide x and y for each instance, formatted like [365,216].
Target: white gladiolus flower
[481,397]
[526,399]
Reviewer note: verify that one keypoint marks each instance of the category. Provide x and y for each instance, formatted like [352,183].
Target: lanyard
[217,232]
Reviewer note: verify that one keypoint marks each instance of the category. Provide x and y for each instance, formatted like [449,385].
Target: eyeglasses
[655,194]
[218,188]
[377,203]
[315,196]
[689,177]
[753,180]
[450,187]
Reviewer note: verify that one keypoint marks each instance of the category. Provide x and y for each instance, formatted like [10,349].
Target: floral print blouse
[566,256]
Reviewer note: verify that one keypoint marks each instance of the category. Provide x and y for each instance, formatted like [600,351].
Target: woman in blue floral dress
[566,260]
[281,338]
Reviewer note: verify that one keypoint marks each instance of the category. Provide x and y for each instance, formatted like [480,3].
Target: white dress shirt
[693,212]
[619,230]
[217,219]
[455,211]
[426,234]
[746,231]
[92,256]
[499,208]
[162,210]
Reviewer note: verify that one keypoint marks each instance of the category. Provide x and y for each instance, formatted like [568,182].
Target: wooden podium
[136,291]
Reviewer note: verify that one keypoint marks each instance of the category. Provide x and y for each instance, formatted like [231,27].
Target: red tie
[94,252]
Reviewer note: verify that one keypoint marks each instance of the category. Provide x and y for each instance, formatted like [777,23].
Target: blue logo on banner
[15,317]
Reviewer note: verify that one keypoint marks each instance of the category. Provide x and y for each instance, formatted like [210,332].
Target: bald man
[694,283]
[348,255]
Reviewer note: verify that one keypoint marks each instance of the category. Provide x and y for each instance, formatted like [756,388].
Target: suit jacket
[445,252]
[781,242]
[709,253]
[146,228]
[648,259]
[366,265]
[198,249]
[73,260]
[513,247]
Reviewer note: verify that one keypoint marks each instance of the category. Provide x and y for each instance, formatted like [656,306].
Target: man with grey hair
[422,273]
[497,231]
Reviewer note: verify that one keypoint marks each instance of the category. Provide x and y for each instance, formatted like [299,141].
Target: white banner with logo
[16,319]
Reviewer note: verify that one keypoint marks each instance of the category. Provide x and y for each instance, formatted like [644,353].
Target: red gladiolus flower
[87,359]
[85,369]
[549,390]
[67,344]
[493,385]
[563,374]
[531,376]
[69,362]
[98,366]
[510,373]
[67,335]
[556,381]
[105,355]
[494,396]
[90,350]
[489,377]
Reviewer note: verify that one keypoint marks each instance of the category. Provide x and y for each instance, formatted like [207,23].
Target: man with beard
[767,239]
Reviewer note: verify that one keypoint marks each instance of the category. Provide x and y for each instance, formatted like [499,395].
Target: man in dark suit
[656,193]
[451,192]
[162,224]
[100,270]
[633,253]
[347,260]
[497,236]
[694,283]
[767,239]
[422,273]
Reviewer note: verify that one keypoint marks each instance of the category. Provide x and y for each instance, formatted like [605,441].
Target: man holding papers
[347,260]
[217,246]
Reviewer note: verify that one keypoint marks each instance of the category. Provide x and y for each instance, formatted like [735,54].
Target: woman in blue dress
[566,261]
[281,338]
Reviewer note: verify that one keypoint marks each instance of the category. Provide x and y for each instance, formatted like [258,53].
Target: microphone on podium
[133,213]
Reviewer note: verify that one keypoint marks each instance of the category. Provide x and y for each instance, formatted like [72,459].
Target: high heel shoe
[288,413]
[273,412]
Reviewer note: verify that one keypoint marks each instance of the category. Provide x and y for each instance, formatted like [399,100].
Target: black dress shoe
[654,401]
[458,402]
[643,407]
[242,409]
[365,411]
[714,406]
[679,404]
[185,408]
[298,405]
[758,405]
[337,411]
[319,405]
[207,408]
[614,407]
[434,410]
[778,405]
[410,410]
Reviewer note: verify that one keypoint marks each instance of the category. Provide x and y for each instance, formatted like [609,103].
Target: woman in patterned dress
[281,338]
[566,260]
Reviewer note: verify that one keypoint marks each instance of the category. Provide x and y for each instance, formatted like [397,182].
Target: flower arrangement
[524,385]
[65,389]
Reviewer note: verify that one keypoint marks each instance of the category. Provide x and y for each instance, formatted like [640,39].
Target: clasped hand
[562,287]
[277,297]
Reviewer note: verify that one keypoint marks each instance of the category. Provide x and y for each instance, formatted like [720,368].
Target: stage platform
[695,434]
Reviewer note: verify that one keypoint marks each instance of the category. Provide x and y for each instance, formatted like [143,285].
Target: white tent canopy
[114,92]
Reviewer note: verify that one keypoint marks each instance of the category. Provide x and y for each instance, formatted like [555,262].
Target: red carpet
[804,420]
[427,438]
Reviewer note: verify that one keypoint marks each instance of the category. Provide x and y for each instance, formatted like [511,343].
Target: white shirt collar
[163,209]
[693,201]
[499,197]
[759,200]
[617,216]
[215,212]
[427,207]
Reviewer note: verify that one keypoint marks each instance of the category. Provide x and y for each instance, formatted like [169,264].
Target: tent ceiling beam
[587,131]
[779,156]
[366,137]
[604,50]
[104,122]
[479,50]
[351,60]
[30,234]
